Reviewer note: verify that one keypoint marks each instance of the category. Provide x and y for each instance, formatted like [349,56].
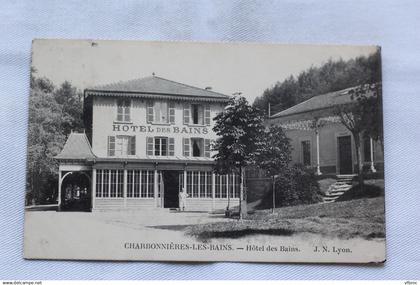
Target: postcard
[204,152]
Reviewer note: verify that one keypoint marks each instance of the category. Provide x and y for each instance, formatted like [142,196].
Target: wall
[105,114]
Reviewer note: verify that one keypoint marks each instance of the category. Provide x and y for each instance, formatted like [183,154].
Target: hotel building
[144,141]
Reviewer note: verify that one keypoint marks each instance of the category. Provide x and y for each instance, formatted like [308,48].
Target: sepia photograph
[188,151]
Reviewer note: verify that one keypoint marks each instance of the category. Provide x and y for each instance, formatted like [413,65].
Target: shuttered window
[187,114]
[171,147]
[121,145]
[149,113]
[111,146]
[186,146]
[172,113]
[207,148]
[123,110]
[207,118]
[149,145]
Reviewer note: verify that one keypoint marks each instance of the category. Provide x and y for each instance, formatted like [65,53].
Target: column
[59,189]
[318,167]
[213,190]
[372,163]
[93,188]
[125,187]
[156,188]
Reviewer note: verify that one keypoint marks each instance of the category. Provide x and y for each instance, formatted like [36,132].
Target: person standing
[182,199]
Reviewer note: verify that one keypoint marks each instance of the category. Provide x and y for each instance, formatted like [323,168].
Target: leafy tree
[331,76]
[362,117]
[51,118]
[240,128]
[275,154]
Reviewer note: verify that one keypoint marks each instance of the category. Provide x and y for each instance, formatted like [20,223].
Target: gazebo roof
[77,147]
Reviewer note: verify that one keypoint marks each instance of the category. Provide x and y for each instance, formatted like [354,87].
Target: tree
[240,129]
[331,76]
[274,155]
[362,117]
[53,113]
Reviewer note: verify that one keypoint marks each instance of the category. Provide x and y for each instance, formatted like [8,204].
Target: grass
[362,218]
[372,188]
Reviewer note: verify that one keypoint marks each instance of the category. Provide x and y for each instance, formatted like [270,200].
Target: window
[199,184]
[228,184]
[109,183]
[160,146]
[306,153]
[197,114]
[121,145]
[123,110]
[197,147]
[140,184]
[160,112]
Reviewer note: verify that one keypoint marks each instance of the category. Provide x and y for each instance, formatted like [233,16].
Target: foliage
[275,153]
[53,113]
[239,128]
[362,117]
[331,76]
[296,185]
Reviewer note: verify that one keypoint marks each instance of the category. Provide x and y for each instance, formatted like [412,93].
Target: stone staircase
[343,183]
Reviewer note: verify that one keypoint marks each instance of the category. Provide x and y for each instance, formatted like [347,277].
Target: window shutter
[187,114]
[171,146]
[127,110]
[149,112]
[186,146]
[149,145]
[207,148]
[119,111]
[172,112]
[132,146]
[207,115]
[111,146]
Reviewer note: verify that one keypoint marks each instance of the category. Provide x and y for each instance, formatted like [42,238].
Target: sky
[226,67]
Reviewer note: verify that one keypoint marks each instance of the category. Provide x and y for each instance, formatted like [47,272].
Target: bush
[295,185]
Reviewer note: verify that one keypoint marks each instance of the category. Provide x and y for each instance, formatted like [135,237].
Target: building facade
[320,141]
[145,141]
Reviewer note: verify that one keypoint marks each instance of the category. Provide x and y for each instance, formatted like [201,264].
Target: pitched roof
[318,102]
[157,85]
[77,146]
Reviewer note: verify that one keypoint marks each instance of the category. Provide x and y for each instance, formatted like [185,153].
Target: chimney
[208,88]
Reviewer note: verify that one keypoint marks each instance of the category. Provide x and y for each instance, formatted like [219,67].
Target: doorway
[345,161]
[76,192]
[171,185]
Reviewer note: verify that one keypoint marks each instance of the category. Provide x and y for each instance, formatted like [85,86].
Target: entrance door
[345,161]
[171,185]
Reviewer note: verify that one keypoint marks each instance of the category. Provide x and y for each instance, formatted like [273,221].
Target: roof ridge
[195,87]
[314,98]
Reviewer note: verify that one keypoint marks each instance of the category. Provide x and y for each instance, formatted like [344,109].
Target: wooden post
[372,163]
[213,190]
[93,188]
[318,166]
[156,187]
[59,189]
[125,187]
